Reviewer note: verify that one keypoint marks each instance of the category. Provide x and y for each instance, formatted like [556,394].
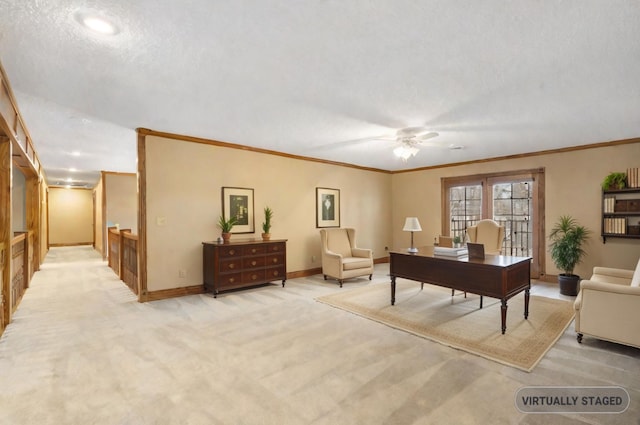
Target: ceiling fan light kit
[405,151]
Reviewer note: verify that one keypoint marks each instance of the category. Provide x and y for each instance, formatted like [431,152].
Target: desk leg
[526,303]
[393,290]
[480,301]
[503,311]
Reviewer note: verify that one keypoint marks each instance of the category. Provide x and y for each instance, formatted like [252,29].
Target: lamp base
[412,249]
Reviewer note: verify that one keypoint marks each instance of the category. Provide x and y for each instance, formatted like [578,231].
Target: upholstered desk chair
[341,259]
[489,233]
[608,306]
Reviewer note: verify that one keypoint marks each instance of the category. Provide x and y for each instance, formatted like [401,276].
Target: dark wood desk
[495,276]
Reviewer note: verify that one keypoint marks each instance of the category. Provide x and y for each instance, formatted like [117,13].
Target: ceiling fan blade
[427,136]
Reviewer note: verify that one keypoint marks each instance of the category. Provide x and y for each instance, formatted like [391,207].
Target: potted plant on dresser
[567,241]
[226,226]
[266,225]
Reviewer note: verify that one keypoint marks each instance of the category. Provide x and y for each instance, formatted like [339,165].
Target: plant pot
[266,236]
[569,284]
[226,237]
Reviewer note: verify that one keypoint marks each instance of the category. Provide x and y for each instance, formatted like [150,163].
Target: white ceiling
[315,78]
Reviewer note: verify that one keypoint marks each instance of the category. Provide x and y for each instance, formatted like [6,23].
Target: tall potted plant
[226,226]
[266,225]
[567,241]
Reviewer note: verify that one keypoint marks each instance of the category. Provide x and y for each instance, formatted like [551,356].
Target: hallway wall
[70,216]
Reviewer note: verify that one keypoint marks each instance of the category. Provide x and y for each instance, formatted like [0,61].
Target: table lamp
[411,224]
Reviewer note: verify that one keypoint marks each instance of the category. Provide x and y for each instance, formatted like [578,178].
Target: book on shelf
[450,252]
[633,181]
[615,226]
[609,204]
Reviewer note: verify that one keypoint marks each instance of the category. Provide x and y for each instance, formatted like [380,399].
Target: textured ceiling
[321,78]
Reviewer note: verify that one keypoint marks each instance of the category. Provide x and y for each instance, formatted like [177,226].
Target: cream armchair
[489,233]
[341,259]
[608,306]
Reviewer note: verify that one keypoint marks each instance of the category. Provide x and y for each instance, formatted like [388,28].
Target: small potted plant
[615,181]
[456,241]
[226,226]
[266,225]
[567,240]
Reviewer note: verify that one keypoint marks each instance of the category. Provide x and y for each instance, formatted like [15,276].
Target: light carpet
[458,322]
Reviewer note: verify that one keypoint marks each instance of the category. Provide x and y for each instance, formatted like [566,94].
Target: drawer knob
[253,263]
[231,280]
[275,260]
[231,266]
[253,251]
[232,252]
[254,277]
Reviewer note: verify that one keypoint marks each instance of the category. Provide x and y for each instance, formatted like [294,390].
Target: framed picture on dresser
[327,207]
[238,202]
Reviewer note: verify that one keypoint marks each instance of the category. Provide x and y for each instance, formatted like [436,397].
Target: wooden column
[5,224]
[142,218]
[33,205]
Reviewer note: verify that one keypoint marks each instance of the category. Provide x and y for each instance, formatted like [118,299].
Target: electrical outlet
[313,258]
[182,273]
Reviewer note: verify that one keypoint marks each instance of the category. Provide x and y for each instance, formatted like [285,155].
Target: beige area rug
[458,322]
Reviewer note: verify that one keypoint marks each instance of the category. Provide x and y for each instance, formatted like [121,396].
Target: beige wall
[121,200]
[183,203]
[70,216]
[572,188]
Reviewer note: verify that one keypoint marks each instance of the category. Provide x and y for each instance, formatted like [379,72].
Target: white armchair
[608,306]
[341,259]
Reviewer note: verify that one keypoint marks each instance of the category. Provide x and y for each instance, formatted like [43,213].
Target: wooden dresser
[243,263]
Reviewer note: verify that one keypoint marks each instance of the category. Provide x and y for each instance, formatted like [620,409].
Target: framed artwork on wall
[327,207]
[238,202]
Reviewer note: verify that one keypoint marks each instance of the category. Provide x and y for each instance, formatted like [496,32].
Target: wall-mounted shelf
[621,214]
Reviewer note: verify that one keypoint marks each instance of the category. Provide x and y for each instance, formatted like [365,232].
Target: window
[513,199]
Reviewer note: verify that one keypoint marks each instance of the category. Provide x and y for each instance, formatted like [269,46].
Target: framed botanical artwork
[238,202]
[327,207]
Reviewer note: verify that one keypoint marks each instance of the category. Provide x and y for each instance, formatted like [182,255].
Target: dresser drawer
[274,259]
[229,280]
[253,262]
[254,250]
[229,251]
[253,276]
[276,273]
[231,265]
[276,247]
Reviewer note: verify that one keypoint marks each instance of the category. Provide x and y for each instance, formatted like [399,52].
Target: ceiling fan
[409,139]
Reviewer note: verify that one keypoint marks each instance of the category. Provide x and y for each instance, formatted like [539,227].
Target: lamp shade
[411,224]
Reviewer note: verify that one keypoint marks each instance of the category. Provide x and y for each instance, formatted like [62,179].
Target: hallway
[82,350]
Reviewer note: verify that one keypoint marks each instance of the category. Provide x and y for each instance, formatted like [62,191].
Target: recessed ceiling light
[69,179]
[73,170]
[75,153]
